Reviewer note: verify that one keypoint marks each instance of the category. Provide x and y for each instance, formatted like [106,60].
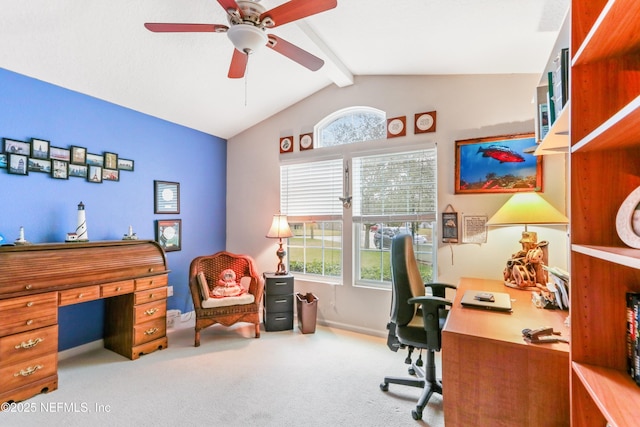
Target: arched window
[353,124]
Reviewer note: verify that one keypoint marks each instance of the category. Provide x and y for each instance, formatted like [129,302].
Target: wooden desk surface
[491,376]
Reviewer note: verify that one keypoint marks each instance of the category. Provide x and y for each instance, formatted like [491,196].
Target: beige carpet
[330,378]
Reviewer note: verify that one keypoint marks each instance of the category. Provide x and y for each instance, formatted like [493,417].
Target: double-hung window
[346,201]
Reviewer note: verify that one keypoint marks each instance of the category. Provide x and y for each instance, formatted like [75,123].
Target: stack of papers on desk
[559,286]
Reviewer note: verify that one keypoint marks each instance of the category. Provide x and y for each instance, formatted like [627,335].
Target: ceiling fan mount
[248,21]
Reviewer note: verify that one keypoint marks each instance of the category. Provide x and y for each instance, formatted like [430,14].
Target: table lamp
[280,229]
[527,208]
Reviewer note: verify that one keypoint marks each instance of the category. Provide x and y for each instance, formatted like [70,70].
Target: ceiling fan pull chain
[246,78]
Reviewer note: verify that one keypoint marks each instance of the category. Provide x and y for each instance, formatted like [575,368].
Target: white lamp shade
[279,228]
[527,208]
[247,38]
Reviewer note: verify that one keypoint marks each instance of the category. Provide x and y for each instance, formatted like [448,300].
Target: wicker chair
[212,266]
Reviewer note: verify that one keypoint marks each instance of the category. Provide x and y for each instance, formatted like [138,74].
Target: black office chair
[411,326]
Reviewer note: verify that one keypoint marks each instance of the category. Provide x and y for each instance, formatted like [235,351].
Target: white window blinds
[312,190]
[395,187]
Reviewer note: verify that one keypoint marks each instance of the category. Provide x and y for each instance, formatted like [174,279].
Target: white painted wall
[467,107]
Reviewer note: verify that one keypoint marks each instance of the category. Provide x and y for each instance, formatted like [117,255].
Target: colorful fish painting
[501,154]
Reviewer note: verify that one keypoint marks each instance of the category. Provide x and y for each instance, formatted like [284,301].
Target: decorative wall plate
[286,144]
[425,122]
[306,141]
[628,220]
[396,126]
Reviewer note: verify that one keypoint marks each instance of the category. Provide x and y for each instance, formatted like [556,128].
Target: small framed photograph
[59,169]
[450,231]
[499,164]
[3,161]
[18,164]
[95,160]
[39,148]
[125,164]
[474,228]
[94,174]
[110,174]
[11,146]
[166,197]
[110,161]
[169,234]
[78,155]
[39,165]
[79,171]
[59,153]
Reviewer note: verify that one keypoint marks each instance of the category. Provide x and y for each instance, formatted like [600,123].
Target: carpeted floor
[329,378]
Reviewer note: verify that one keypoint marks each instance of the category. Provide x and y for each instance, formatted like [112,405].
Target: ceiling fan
[248,21]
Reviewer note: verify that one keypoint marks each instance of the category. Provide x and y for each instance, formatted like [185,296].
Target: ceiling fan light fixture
[247,38]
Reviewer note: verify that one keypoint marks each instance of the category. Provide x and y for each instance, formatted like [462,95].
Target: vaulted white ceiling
[101,48]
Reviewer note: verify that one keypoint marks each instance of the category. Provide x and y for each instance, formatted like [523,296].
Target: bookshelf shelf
[557,140]
[605,386]
[605,167]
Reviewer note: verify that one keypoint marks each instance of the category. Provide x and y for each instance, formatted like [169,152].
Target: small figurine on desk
[21,240]
[131,235]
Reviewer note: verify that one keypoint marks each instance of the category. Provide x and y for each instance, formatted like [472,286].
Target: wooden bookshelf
[605,168]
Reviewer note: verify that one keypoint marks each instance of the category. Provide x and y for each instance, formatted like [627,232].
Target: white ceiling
[100,48]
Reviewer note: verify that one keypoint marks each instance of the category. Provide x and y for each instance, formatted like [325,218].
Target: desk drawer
[150,311]
[116,288]
[79,295]
[279,285]
[279,303]
[28,345]
[150,295]
[23,373]
[26,313]
[151,282]
[278,321]
[149,331]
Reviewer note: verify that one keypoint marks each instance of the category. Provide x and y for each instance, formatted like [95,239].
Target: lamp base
[281,269]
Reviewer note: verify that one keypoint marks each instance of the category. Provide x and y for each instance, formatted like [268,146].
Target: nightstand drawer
[151,282]
[26,313]
[28,345]
[150,295]
[116,288]
[149,331]
[26,372]
[278,321]
[153,310]
[279,303]
[275,285]
[79,295]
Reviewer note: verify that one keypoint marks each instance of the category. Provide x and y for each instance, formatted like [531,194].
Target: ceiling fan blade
[297,9]
[294,53]
[230,4]
[238,64]
[185,28]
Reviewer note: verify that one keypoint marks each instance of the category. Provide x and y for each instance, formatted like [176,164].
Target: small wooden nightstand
[278,302]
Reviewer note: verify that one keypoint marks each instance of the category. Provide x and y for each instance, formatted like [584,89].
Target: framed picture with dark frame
[166,197]
[18,164]
[59,169]
[94,174]
[79,171]
[59,153]
[94,160]
[3,161]
[39,148]
[110,161]
[11,146]
[125,164]
[78,155]
[169,234]
[499,164]
[39,165]
[110,174]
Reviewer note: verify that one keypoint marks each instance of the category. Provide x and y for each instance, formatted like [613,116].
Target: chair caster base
[384,386]
[417,415]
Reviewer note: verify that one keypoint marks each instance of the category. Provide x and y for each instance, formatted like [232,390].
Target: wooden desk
[491,376]
[37,279]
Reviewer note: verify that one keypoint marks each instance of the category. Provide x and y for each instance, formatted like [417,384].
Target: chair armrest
[432,312]
[438,289]
[429,300]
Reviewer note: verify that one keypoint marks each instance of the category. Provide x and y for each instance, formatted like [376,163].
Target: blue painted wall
[47,207]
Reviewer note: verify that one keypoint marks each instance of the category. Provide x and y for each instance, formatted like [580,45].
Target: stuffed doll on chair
[227,286]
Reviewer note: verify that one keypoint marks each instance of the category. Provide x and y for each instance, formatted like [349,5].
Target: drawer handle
[118,289]
[151,331]
[29,371]
[281,318]
[150,295]
[80,295]
[28,287]
[29,344]
[279,301]
[30,321]
[281,283]
[151,270]
[30,303]
[151,311]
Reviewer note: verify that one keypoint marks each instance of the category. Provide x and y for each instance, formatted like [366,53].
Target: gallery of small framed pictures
[38,155]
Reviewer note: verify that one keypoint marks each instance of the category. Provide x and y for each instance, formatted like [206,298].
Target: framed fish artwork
[498,164]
